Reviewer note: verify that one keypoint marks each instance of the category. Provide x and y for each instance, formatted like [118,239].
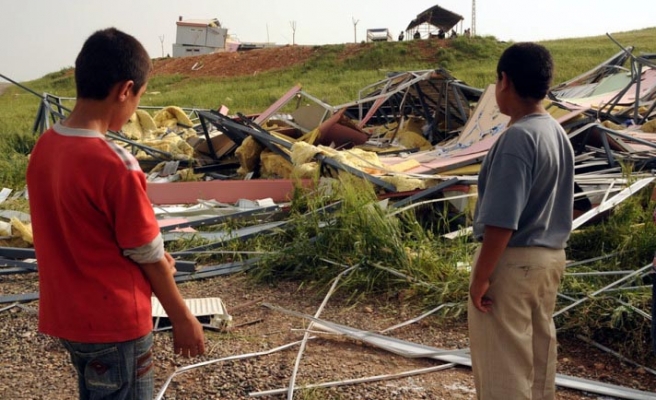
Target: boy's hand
[171,262]
[188,338]
[477,291]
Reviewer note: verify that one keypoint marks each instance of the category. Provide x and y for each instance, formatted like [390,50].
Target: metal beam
[426,192]
[459,356]
[13,298]
[219,219]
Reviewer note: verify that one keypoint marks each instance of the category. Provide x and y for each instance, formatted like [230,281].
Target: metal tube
[605,288]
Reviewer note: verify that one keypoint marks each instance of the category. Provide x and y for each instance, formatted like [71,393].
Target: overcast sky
[42,36]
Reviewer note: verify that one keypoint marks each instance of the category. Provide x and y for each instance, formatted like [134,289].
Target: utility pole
[473,23]
[293,25]
[355,31]
[161,40]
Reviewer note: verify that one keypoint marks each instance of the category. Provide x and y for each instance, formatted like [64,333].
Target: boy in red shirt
[100,251]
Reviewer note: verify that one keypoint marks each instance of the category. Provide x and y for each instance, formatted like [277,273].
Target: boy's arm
[495,241]
[188,338]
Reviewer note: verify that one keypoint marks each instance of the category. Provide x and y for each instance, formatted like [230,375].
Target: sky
[38,37]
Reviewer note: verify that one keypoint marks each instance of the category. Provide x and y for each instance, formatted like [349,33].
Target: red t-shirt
[88,202]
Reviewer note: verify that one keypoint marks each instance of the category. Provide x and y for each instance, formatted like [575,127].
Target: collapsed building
[410,131]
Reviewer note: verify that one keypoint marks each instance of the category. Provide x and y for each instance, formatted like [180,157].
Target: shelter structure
[429,22]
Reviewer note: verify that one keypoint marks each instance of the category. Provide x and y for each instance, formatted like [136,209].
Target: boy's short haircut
[529,67]
[108,57]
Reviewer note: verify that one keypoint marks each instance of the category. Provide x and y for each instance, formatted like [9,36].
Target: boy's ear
[504,82]
[125,90]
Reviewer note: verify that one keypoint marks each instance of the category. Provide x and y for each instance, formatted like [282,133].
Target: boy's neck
[88,114]
[523,108]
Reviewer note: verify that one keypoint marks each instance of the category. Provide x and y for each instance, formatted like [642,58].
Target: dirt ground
[234,63]
[260,60]
[33,366]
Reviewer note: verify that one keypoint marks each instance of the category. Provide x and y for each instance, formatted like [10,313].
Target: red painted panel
[280,190]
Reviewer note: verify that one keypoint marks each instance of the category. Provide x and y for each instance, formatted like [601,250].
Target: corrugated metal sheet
[212,307]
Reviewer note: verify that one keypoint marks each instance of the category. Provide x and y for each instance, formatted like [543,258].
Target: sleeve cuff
[148,253]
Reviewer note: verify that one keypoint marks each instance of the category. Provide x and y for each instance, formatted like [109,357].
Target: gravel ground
[34,366]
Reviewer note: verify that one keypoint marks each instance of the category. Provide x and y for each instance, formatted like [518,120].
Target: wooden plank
[279,190]
[373,110]
[277,105]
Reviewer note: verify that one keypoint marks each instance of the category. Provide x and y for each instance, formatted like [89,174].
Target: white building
[199,36]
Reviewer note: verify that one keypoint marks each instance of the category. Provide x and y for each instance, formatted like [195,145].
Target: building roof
[199,22]
[436,16]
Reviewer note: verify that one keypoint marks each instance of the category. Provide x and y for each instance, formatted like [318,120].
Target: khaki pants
[513,347]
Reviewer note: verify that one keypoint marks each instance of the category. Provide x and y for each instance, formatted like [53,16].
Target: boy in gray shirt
[523,218]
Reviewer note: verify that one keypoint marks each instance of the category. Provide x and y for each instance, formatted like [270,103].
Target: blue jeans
[114,371]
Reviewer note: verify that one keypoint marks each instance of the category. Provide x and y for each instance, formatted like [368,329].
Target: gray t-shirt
[526,184]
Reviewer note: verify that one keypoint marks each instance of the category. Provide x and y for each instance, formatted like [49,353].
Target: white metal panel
[191,35]
[212,307]
[216,37]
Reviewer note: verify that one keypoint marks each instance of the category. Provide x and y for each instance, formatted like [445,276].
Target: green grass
[393,254]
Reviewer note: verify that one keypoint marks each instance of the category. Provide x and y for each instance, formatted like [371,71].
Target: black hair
[108,57]
[529,67]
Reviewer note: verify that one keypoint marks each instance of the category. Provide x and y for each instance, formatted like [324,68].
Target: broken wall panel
[594,75]
[616,91]
[228,191]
